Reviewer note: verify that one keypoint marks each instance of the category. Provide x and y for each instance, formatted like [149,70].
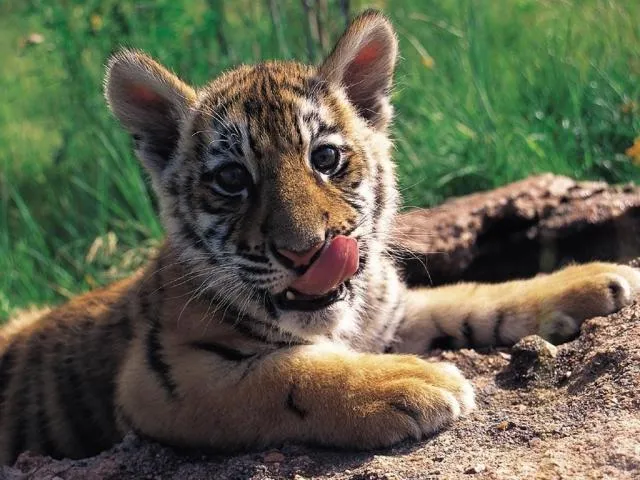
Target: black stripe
[227,353]
[173,187]
[300,138]
[73,404]
[250,332]
[362,261]
[155,358]
[124,328]
[252,109]
[296,89]
[317,85]
[500,316]
[219,110]
[342,172]
[208,208]
[270,306]
[312,119]
[467,332]
[190,234]
[19,410]
[6,368]
[102,392]
[191,199]
[325,129]
[257,270]
[247,327]
[254,258]
[157,363]
[355,204]
[214,228]
[442,341]
[209,175]
[446,342]
[215,152]
[42,425]
[42,422]
[292,406]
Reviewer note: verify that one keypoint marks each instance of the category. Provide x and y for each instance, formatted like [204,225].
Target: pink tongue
[337,263]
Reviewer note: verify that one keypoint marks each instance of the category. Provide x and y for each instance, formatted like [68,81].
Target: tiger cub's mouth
[291,299]
[325,281]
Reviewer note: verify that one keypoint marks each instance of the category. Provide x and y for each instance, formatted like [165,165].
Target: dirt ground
[543,412]
[574,413]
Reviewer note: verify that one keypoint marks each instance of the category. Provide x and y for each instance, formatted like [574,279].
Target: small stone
[536,345]
[532,357]
[505,425]
[535,442]
[273,457]
[479,468]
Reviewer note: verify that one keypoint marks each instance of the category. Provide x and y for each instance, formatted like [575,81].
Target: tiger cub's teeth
[290,296]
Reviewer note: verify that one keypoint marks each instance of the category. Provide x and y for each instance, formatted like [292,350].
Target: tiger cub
[274,311]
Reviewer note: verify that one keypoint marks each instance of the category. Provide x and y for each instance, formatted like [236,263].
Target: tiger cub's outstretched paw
[405,397]
[586,291]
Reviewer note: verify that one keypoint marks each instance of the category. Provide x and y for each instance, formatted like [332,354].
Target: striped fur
[194,350]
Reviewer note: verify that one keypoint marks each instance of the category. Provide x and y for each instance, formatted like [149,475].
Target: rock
[534,420]
[532,359]
[537,224]
[533,351]
[475,469]
[505,425]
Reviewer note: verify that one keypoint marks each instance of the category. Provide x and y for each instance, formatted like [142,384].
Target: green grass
[487,92]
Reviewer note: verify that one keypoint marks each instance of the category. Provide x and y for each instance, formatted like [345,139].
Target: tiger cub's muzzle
[325,270]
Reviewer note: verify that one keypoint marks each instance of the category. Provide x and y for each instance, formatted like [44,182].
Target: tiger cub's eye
[325,159]
[233,179]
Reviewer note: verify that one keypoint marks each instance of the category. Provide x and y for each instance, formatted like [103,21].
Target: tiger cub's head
[274,180]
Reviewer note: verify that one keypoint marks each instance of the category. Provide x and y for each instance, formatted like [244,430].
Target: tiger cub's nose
[301,259]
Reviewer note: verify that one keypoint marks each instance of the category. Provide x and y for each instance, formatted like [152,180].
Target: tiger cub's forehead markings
[268,119]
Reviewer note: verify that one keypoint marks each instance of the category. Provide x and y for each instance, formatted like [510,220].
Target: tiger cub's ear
[363,62]
[150,102]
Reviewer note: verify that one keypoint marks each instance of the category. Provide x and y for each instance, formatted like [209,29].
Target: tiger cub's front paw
[404,397]
[587,291]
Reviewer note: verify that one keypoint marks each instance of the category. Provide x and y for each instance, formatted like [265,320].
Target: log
[535,225]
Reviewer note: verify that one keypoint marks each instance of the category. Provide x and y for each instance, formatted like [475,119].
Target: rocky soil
[544,412]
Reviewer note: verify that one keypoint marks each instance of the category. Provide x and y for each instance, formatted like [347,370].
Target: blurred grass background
[487,92]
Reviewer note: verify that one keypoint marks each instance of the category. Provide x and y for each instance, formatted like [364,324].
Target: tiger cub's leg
[552,306]
[321,394]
